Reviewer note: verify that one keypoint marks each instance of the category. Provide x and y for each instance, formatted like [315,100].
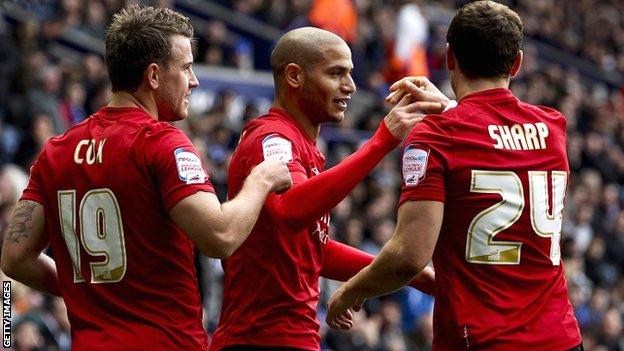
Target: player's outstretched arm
[406,254]
[22,250]
[312,198]
[341,262]
[219,229]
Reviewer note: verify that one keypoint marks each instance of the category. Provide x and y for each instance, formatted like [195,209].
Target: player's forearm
[341,262]
[392,269]
[38,273]
[311,199]
[24,242]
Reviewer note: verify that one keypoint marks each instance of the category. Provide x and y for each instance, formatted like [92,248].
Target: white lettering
[518,136]
[506,136]
[100,151]
[77,158]
[91,155]
[527,136]
[531,136]
[542,131]
[492,129]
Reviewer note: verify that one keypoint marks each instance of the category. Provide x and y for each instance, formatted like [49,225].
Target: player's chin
[182,113]
[336,117]
[172,117]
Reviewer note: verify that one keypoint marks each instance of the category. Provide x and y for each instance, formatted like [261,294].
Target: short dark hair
[137,37]
[485,37]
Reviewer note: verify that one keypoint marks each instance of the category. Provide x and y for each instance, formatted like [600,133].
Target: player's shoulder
[160,129]
[76,129]
[442,123]
[270,125]
[545,112]
[161,138]
[76,132]
[464,111]
[136,127]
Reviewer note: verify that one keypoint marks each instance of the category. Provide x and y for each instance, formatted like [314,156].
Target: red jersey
[125,270]
[271,288]
[500,166]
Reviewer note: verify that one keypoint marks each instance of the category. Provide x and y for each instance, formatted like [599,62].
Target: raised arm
[22,250]
[428,97]
[312,198]
[399,261]
[219,229]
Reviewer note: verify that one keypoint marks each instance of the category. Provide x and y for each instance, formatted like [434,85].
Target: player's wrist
[384,137]
[351,293]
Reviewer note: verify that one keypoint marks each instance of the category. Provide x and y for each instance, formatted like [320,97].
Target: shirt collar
[496,94]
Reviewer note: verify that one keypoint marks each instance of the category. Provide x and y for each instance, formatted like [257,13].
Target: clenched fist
[273,172]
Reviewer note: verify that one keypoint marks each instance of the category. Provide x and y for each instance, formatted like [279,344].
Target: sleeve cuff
[385,138]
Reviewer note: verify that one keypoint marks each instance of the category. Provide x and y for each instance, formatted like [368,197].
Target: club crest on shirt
[189,166]
[274,147]
[414,165]
[322,228]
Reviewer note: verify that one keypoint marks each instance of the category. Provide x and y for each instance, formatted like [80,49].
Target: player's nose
[348,85]
[193,82]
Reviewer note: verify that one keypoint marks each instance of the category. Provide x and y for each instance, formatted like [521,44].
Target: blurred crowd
[43,94]
[598,37]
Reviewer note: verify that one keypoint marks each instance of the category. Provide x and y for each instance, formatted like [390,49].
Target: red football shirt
[125,270]
[271,288]
[501,168]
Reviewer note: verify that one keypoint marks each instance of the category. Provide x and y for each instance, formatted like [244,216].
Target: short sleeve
[424,162]
[266,145]
[175,164]
[34,190]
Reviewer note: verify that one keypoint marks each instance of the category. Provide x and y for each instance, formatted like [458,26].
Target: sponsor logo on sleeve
[414,165]
[189,166]
[275,147]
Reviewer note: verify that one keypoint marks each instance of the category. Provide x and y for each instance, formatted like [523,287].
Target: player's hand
[429,98]
[275,173]
[403,116]
[339,314]
[425,281]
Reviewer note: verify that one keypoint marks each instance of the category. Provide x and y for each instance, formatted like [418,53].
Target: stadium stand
[52,76]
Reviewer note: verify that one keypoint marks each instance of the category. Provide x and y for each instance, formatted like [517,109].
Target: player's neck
[311,129]
[464,86]
[125,99]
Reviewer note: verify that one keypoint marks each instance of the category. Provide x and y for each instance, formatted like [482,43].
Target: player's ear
[450,58]
[293,75]
[516,66]
[151,75]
